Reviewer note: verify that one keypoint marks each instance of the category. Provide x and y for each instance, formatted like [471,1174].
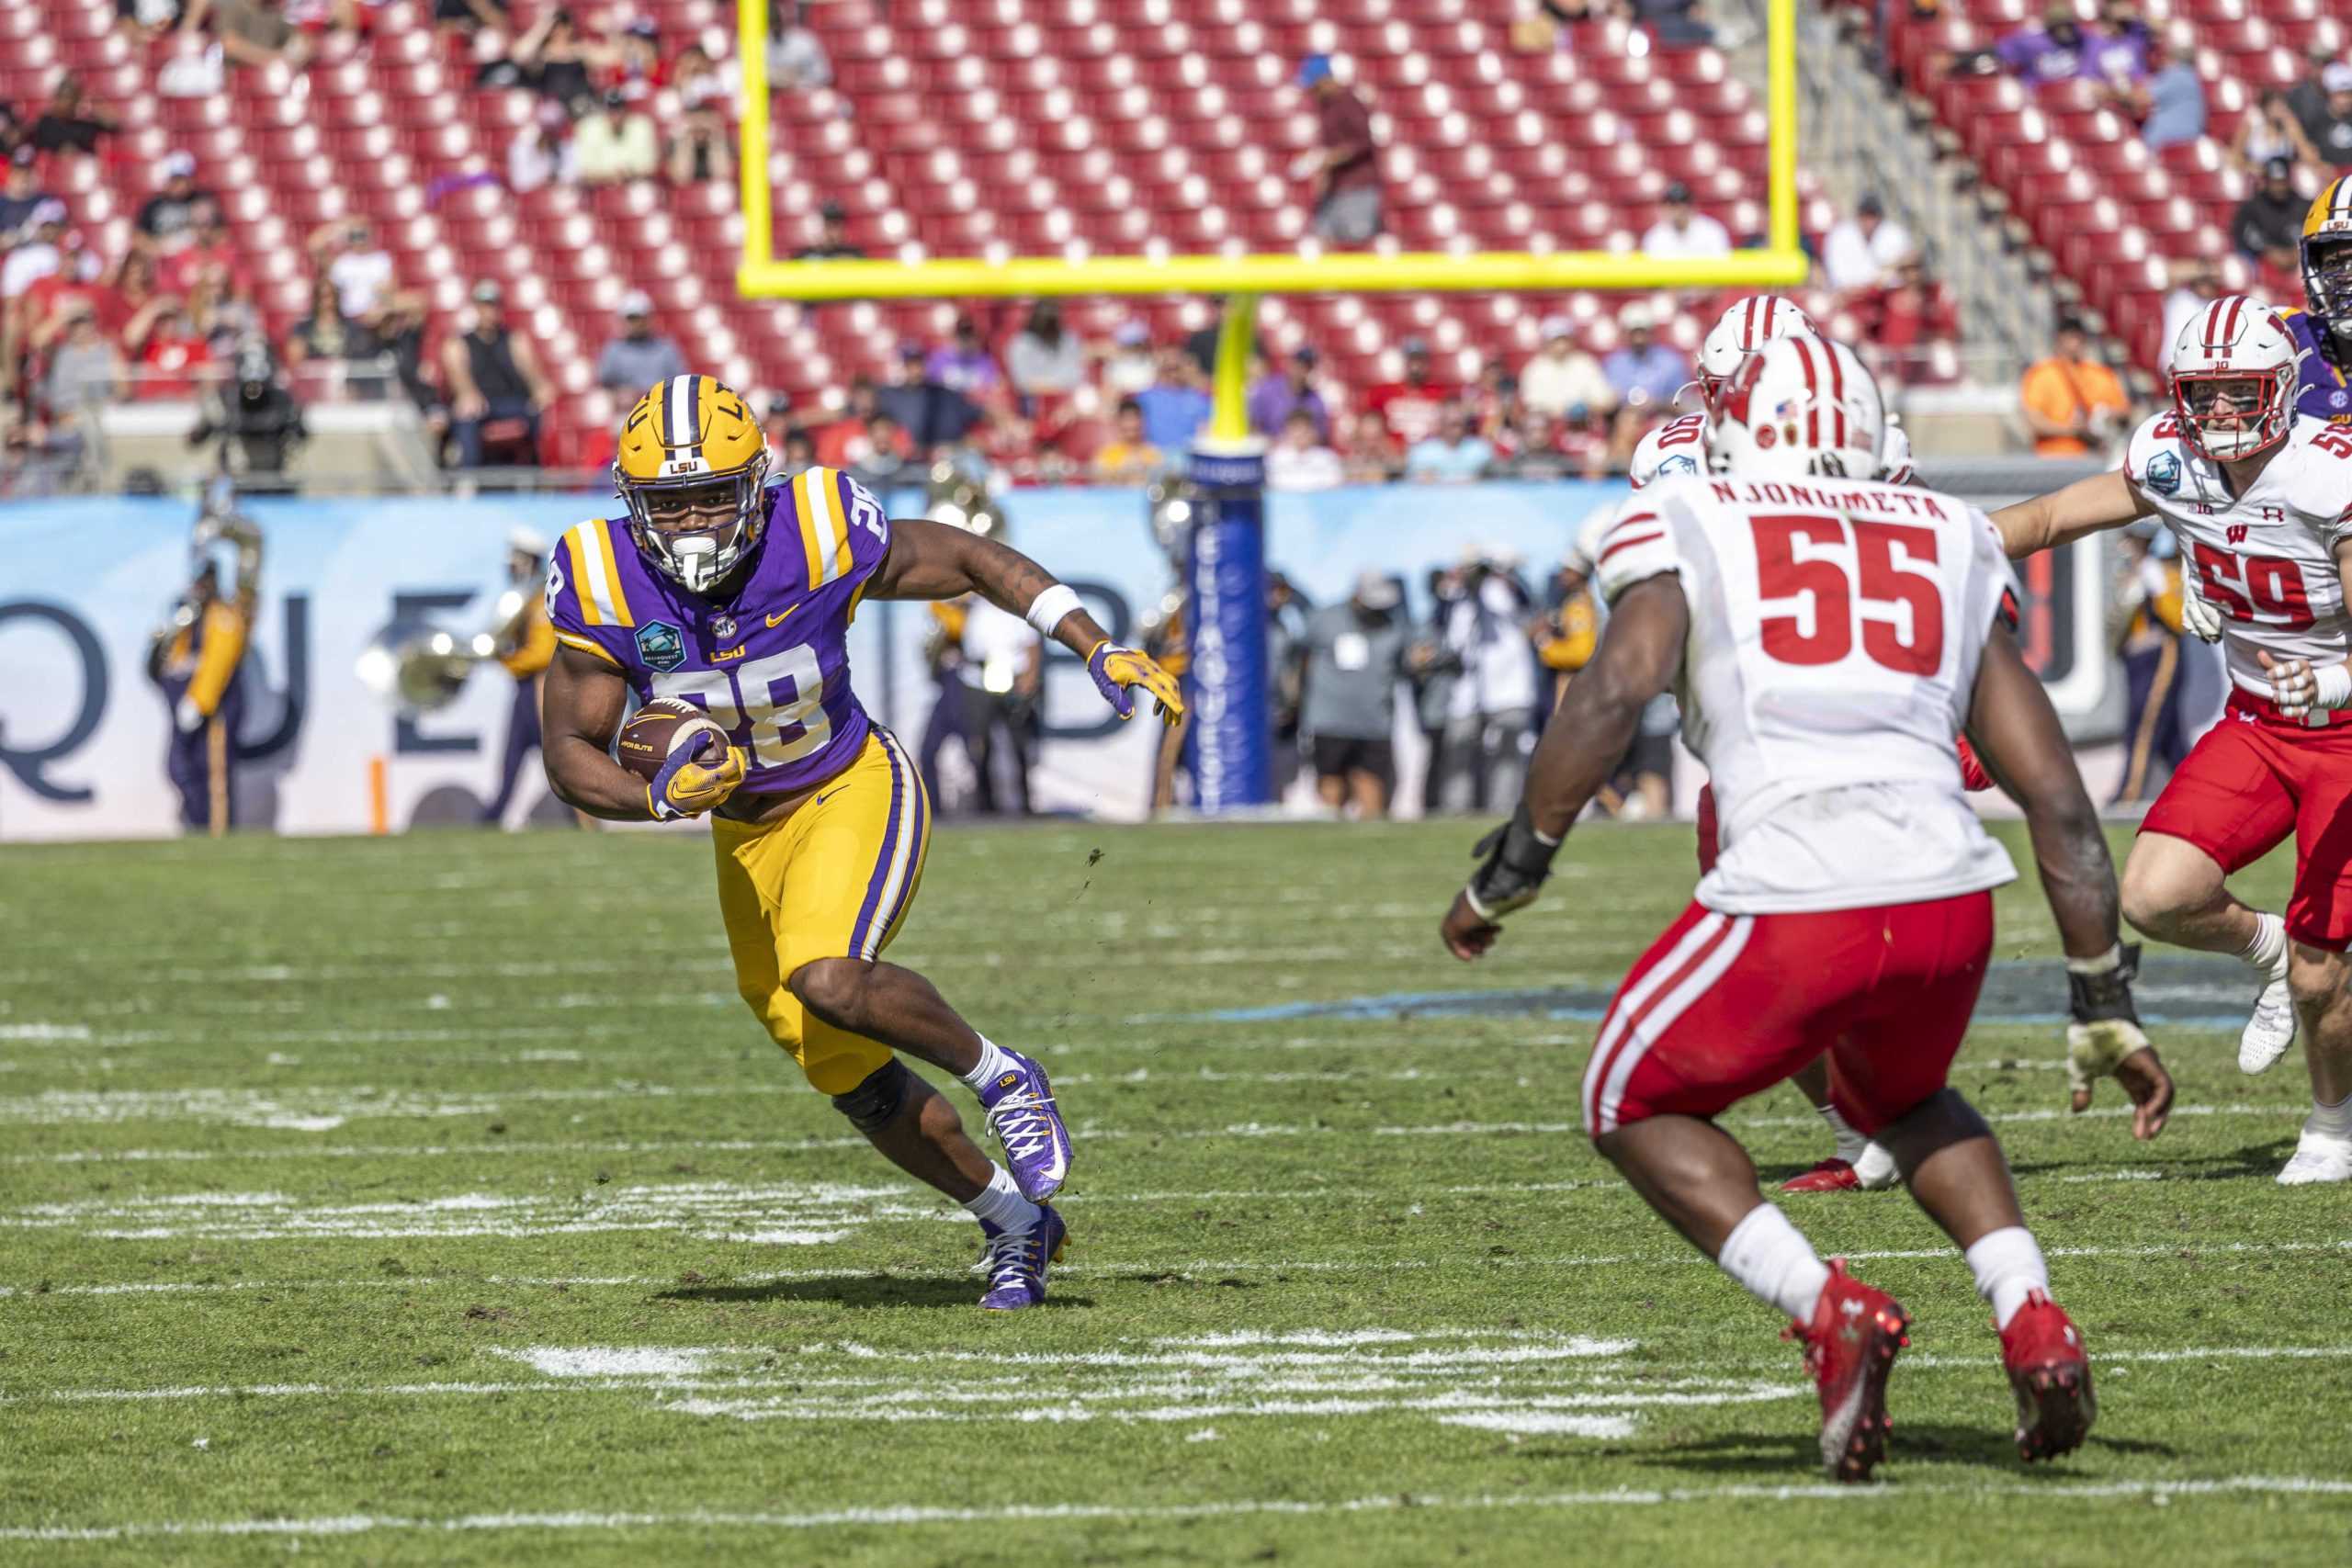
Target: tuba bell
[418,666]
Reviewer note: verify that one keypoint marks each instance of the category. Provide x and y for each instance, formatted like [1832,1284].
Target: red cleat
[2052,1376]
[1829,1176]
[1850,1347]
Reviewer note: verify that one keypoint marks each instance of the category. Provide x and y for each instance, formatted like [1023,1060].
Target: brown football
[660,727]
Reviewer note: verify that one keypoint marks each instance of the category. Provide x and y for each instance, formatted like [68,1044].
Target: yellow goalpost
[1780,263]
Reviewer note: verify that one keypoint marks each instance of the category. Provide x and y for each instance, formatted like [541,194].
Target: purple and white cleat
[1022,1113]
[1015,1261]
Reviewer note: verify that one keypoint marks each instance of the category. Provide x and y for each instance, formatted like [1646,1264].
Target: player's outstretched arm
[2103,501]
[931,560]
[1640,649]
[2018,737]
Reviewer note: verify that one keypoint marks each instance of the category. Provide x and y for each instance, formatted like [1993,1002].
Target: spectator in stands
[220,310]
[1355,658]
[881,463]
[1454,453]
[1562,375]
[165,216]
[1409,408]
[1641,371]
[1530,448]
[639,356]
[2308,97]
[796,59]
[1682,231]
[1345,172]
[465,15]
[1859,251]
[86,371]
[1278,394]
[1128,458]
[832,237]
[2116,52]
[2331,132]
[326,336]
[2268,228]
[1176,406]
[402,329]
[703,148]
[39,253]
[2272,131]
[845,438]
[634,47]
[143,22]
[541,151]
[1492,401]
[555,60]
[616,144]
[2195,281]
[345,253]
[966,364]
[496,388]
[1045,361]
[2070,400]
[2170,105]
[256,32]
[68,125]
[1299,459]
[934,415]
[209,249]
[1130,366]
[171,356]
[2055,51]
[1909,314]
[257,420]
[1677,24]
[20,196]
[1369,457]
[1584,436]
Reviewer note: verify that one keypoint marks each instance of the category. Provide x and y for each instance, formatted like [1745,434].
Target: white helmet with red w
[2234,371]
[1799,405]
[1748,326]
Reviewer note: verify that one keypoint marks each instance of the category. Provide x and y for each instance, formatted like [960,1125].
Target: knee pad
[872,1104]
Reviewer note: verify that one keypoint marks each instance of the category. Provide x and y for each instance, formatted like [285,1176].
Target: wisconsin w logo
[2237,533]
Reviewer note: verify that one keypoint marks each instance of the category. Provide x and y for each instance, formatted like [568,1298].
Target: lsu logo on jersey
[2164,473]
[659,644]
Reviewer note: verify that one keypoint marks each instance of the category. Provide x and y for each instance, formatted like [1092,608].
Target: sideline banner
[83,582]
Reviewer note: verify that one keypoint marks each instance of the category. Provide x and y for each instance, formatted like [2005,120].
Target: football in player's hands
[660,728]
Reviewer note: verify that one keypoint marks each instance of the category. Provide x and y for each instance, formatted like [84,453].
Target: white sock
[2269,948]
[992,1061]
[1772,1259]
[1000,1203]
[1850,1143]
[2331,1120]
[2008,1267]
[1874,1168]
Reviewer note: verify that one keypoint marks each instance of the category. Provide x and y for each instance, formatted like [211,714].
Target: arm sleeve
[224,646]
[1639,544]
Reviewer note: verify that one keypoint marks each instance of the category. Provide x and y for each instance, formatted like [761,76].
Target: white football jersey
[2265,559]
[1836,630]
[1676,448]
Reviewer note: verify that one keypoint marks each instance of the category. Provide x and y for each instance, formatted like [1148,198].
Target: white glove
[2197,612]
[188,716]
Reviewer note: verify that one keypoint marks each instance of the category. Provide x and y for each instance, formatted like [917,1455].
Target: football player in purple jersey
[736,596]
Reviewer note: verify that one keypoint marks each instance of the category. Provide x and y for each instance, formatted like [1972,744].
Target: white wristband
[1047,610]
[2334,683]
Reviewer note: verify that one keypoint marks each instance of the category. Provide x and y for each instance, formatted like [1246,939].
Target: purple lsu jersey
[2321,391]
[771,666]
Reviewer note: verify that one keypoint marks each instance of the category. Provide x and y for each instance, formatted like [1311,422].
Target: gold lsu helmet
[2327,258]
[691,468]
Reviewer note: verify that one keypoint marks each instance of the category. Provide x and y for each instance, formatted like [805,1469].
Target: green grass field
[434,1199]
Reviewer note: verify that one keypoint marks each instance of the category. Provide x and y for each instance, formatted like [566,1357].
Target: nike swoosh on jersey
[775,620]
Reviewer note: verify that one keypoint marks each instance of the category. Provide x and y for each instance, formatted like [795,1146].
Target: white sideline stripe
[912,1516]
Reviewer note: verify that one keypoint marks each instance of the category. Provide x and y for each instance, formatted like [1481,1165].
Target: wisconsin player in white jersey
[1828,637]
[1679,446]
[2260,500]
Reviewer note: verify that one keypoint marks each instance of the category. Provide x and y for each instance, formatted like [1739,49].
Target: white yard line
[914,1516]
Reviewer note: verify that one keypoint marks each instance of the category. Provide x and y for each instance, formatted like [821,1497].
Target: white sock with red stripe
[992,1062]
[1850,1143]
[1772,1260]
[2269,948]
[2008,1267]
